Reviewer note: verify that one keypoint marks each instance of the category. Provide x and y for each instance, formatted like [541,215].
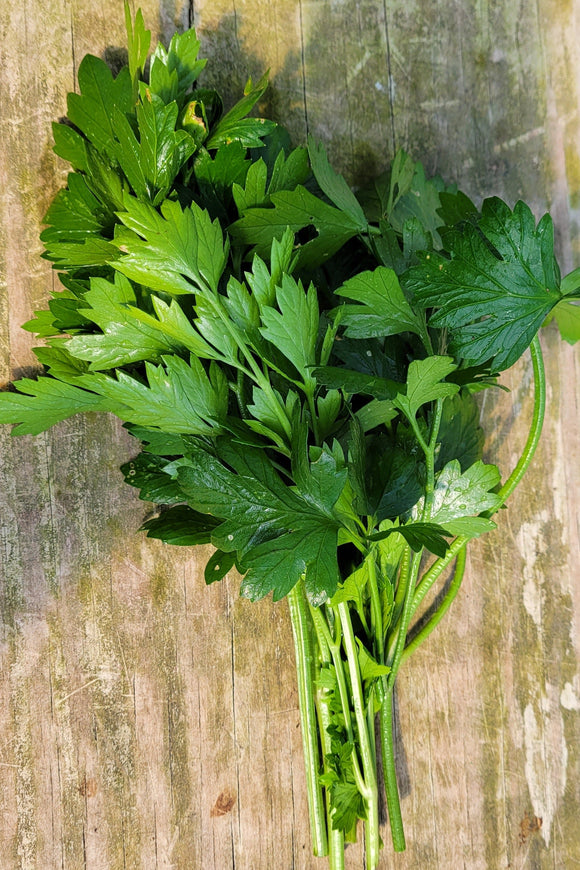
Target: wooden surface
[149,722]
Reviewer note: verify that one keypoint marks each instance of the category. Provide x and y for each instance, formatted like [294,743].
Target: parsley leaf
[383,309]
[177,251]
[497,287]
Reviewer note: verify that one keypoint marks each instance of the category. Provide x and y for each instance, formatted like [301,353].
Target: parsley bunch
[299,365]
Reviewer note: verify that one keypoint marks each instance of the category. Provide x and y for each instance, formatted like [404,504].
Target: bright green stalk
[369,792]
[511,483]
[390,774]
[448,599]
[304,669]
[335,837]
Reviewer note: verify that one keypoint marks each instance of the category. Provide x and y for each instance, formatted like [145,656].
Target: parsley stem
[390,774]
[323,702]
[366,741]
[376,611]
[506,490]
[304,670]
[324,636]
[436,617]
[430,460]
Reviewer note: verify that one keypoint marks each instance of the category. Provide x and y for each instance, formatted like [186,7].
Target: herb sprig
[299,365]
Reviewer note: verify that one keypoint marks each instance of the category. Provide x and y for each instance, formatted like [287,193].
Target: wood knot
[88,787]
[529,825]
[223,804]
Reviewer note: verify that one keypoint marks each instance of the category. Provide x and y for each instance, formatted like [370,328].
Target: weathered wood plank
[148,721]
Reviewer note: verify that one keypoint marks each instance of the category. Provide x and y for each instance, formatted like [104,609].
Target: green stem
[376,611]
[430,460]
[370,791]
[390,774]
[436,618]
[323,631]
[335,837]
[304,666]
[513,480]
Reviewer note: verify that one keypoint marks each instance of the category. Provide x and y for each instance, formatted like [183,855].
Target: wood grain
[147,721]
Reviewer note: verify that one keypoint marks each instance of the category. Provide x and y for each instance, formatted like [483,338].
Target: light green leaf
[138,42]
[425,384]
[124,339]
[176,251]
[39,404]
[383,309]
[101,96]
[567,316]
[461,495]
[293,329]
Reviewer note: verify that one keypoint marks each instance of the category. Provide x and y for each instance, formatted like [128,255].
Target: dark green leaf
[419,535]
[354,382]
[334,185]
[147,473]
[235,126]
[460,435]
[297,209]
[497,288]
[184,527]
[218,566]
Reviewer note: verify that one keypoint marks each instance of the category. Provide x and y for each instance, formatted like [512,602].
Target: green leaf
[138,42]
[147,473]
[353,382]
[235,126]
[70,145]
[297,209]
[354,587]
[124,339]
[567,316]
[460,435]
[218,566]
[348,805]
[183,527]
[94,110]
[334,185]
[179,397]
[383,310]
[276,533]
[369,666]
[470,527]
[425,384]
[173,71]
[253,193]
[419,535]
[316,473]
[39,404]
[497,288]
[176,251]
[152,161]
[293,329]
[461,495]
[218,175]
[171,321]
[277,565]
